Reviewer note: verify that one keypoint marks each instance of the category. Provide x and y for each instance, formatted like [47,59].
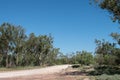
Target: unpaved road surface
[42,71]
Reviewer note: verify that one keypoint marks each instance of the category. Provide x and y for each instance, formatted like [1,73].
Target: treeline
[79,57]
[106,53]
[18,49]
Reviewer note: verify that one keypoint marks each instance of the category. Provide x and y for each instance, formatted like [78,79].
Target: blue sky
[74,24]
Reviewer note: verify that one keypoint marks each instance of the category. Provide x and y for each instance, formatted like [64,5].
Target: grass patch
[108,77]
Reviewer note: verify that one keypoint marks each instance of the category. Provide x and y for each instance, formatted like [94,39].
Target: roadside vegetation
[108,53]
[20,50]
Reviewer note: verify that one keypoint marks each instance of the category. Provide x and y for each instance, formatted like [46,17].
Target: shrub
[107,77]
[110,70]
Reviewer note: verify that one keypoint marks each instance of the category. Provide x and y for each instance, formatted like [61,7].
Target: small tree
[106,53]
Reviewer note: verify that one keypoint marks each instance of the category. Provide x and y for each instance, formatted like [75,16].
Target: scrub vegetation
[19,50]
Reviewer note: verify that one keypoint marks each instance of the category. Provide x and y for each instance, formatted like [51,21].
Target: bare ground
[61,72]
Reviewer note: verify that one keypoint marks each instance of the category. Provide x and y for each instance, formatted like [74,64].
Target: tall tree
[10,37]
[45,46]
[16,49]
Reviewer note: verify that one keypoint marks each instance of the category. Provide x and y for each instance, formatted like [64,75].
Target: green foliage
[115,36]
[18,49]
[107,77]
[83,57]
[11,37]
[112,6]
[107,53]
[105,69]
[62,59]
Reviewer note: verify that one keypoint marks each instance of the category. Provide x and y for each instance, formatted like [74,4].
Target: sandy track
[47,70]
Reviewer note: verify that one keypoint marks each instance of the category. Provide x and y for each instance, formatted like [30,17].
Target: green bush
[107,77]
[109,70]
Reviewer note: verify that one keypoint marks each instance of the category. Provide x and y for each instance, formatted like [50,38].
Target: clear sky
[74,24]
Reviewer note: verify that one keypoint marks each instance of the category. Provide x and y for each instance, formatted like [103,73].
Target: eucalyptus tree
[20,38]
[52,57]
[112,6]
[17,49]
[10,38]
[84,57]
[107,53]
[30,49]
[45,45]
[38,48]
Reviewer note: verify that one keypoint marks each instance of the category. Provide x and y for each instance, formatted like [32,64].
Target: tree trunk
[17,60]
[7,64]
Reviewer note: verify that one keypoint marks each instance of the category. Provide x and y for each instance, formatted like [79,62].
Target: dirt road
[42,71]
